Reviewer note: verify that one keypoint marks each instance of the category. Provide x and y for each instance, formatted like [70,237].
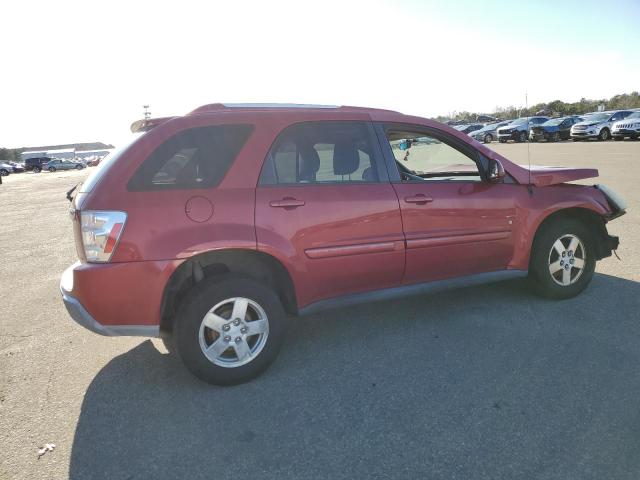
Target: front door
[455,222]
[325,208]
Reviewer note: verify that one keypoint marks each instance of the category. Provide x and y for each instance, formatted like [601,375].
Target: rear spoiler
[145,125]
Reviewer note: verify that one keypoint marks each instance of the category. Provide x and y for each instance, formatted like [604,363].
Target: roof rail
[212,107]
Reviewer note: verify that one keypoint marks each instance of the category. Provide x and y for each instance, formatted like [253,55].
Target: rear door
[325,207]
[455,222]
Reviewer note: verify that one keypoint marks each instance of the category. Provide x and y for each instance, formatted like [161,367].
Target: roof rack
[212,107]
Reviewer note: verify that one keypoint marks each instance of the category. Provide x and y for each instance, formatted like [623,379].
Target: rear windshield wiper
[70,194]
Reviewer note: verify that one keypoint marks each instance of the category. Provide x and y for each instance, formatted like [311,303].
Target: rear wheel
[488,138]
[78,167]
[562,259]
[4,172]
[604,135]
[52,169]
[229,329]
[522,137]
[37,169]
[555,137]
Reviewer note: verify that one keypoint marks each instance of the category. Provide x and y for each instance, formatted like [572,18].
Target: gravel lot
[485,382]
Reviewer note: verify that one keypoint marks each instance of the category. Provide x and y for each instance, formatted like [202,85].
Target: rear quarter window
[194,158]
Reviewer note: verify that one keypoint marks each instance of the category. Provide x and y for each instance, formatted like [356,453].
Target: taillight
[100,232]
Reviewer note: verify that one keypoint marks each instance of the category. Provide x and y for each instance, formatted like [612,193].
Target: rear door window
[322,152]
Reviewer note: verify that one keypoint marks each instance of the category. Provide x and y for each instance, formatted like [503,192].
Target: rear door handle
[419,199]
[287,202]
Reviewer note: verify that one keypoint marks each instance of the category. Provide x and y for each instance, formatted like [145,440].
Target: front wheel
[229,329]
[604,135]
[503,140]
[488,138]
[4,172]
[522,137]
[556,137]
[37,169]
[52,169]
[562,259]
[78,167]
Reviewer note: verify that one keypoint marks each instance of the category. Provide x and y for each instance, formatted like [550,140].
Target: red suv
[212,229]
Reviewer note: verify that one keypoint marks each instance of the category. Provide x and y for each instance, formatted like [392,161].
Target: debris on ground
[48,447]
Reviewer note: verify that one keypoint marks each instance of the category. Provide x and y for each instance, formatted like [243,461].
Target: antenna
[526,103]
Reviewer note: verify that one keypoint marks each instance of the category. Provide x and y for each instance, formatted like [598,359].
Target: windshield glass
[519,121]
[553,122]
[95,176]
[460,127]
[596,117]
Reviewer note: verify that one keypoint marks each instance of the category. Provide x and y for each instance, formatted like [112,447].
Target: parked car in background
[488,133]
[17,167]
[5,168]
[627,128]
[554,129]
[35,164]
[58,164]
[93,162]
[597,125]
[214,228]
[468,128]
[518,130]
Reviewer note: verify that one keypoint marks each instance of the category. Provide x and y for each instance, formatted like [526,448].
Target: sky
[80,71]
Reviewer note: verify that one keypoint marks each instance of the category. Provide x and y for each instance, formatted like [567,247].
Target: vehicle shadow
[479,382]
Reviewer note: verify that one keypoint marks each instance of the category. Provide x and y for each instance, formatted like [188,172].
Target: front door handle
[420,199]
[287,202]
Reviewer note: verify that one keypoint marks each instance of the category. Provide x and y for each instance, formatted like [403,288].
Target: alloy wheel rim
[567,260]
[233,332]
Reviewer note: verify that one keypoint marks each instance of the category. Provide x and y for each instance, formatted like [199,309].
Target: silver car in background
[597,125]
[627,128]
[488,133]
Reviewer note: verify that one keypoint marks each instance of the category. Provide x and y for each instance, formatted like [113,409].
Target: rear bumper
[84,319]
[116,299]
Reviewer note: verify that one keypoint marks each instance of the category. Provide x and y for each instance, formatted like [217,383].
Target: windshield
[106,163]
[553,122]
[596,117]
[519,121]
[460,127]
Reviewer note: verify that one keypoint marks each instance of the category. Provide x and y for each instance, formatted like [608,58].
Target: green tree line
[556,108]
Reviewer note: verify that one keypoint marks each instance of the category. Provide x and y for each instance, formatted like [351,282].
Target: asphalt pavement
[483,382]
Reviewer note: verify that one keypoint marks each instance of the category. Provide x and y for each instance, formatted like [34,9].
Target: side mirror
[495,172]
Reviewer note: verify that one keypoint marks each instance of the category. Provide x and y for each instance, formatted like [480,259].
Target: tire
[168,340]
[52,169]
[502,140]
[604,135]
[488,138]
[555,137]
[78,167]
[545,255]
[522,137]
[4,172]
[37,169]
[219,295]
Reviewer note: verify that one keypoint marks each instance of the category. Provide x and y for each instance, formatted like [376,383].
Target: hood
[548,128]
[542,176]
[588,124]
